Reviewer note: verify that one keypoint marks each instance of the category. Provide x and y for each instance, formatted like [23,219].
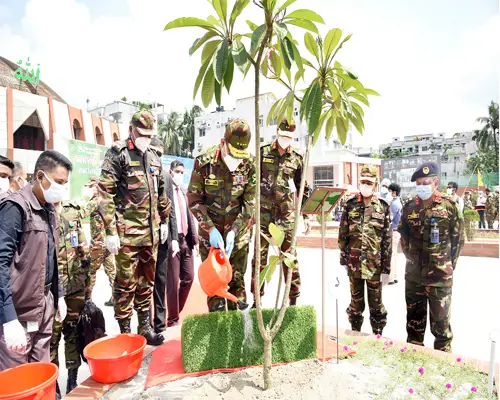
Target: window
[295,112]
[202,132]
[99,137]
[115,137]
[296,139]
[323,176]
[274,121]
[262,140]
[273,137]
[77,129]
[424,148]
[261,121]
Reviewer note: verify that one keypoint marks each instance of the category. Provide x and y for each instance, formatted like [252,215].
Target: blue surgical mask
[424,191]
[384,190]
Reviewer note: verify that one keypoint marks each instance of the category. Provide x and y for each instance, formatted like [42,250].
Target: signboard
[188,167]
[25,74]
[399,170]
[322,195]
[87,160]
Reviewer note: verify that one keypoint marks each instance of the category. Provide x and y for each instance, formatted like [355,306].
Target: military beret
[425,170]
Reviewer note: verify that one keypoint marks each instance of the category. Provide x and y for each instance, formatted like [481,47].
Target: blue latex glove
[216,240]
[229,243]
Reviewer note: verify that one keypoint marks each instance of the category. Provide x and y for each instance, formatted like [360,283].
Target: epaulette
[265,144]
[207,155]
[352,197]
[119,145]
[298,152]
[383,201]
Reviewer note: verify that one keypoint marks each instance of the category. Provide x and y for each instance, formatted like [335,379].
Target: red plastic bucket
[114,359]
[34,381]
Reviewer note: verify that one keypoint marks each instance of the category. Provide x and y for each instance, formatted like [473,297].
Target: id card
[291,185]
[31,326]
[74,238]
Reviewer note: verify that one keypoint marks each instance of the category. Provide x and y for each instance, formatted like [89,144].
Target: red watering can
[215,273]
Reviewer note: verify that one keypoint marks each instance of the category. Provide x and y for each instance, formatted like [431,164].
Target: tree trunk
[268,357]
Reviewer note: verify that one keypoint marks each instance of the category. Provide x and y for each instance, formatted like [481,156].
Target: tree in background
[487,136]
[188,129]
[170,133]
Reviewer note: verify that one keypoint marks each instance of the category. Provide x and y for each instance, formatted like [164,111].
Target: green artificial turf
[216,340]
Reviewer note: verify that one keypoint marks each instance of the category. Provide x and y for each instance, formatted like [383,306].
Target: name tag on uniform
[269,160]
[413,215]
[354,214]
[291,185]
[378,215]
[32,326]
[211,182]
[135,163]
[238,180]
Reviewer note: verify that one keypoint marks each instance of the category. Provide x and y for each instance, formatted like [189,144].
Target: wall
[64,127]
[3,121]
[25,104]
[28,158]
[89,127]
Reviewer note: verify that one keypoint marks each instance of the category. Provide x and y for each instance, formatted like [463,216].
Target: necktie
[183,213]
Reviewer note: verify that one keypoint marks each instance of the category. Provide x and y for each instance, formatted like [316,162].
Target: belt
[47,289]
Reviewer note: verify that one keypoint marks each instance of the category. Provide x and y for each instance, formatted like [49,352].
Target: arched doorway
[115,137]
[77,130]
[99,137]
[30,136]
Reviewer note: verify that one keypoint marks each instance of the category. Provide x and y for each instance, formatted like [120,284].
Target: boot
[72,376]
[110,302]
[58,392]
[293,301]
[124,325]
[145,329]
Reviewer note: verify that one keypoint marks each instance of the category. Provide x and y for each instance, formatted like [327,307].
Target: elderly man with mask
[29,281]
[432,238]
[132,203]
[221,195]
[384,190]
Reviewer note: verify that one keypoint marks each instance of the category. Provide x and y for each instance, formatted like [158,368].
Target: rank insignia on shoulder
[211,182]
[135,163]
[413,215]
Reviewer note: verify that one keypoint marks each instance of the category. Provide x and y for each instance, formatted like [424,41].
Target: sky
[435,63]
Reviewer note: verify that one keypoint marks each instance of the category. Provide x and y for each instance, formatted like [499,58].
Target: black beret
[425,170]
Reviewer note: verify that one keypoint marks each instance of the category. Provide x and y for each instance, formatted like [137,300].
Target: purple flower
[459,359]
[391,343]
[346,348]
[473,389]
[403,349]
[448,386]
[354,343]
[410,390]
[414,350]
[386,344]
[421,371]
[379,335]
[385,348]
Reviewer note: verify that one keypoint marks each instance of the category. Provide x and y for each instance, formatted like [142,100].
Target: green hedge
[215,340]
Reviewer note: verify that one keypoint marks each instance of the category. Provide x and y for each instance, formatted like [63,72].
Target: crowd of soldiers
[129,213]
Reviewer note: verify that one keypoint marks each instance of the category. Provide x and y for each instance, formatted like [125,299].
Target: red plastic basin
[108,362]
[34,381]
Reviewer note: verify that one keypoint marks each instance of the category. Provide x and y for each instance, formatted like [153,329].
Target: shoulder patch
[119,145]
[383,201]
[206,156]
[298,152]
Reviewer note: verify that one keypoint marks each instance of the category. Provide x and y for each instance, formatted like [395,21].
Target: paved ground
[476,302]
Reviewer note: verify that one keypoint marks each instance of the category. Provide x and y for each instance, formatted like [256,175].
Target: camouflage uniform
[225,200]
[468,203]
[491,210]
[132,204]
[74,276]
[429,267]
[365,243]
[281,176]
[99,254]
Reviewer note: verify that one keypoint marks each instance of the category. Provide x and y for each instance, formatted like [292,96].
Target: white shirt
[178,208]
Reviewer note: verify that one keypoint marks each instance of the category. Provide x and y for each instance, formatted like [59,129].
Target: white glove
[163,233]
[62,310]
[113,244]
[175,248]
[15,336]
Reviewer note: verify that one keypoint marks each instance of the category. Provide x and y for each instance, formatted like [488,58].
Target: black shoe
[124,325]
[110,302]
[395,281]
[72,377]
[145,329]
[159,329]
[218,305]
[58,392]
[392,283]
[293,301]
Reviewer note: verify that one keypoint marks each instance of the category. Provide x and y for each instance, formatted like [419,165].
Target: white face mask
[4,184]
[285,142]
[384,190]
[178,179]
[366,190]
[87,192]
[142,143]
[424,191]
[55,193]
[231,162]
[449,191]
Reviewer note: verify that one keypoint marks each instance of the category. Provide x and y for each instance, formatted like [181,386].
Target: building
[34,119]
[453,150]
[330,163]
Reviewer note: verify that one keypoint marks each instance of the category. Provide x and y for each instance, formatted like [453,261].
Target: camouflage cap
[94,180]
[144,121]
[286,129]
[237,138]
[369,173]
